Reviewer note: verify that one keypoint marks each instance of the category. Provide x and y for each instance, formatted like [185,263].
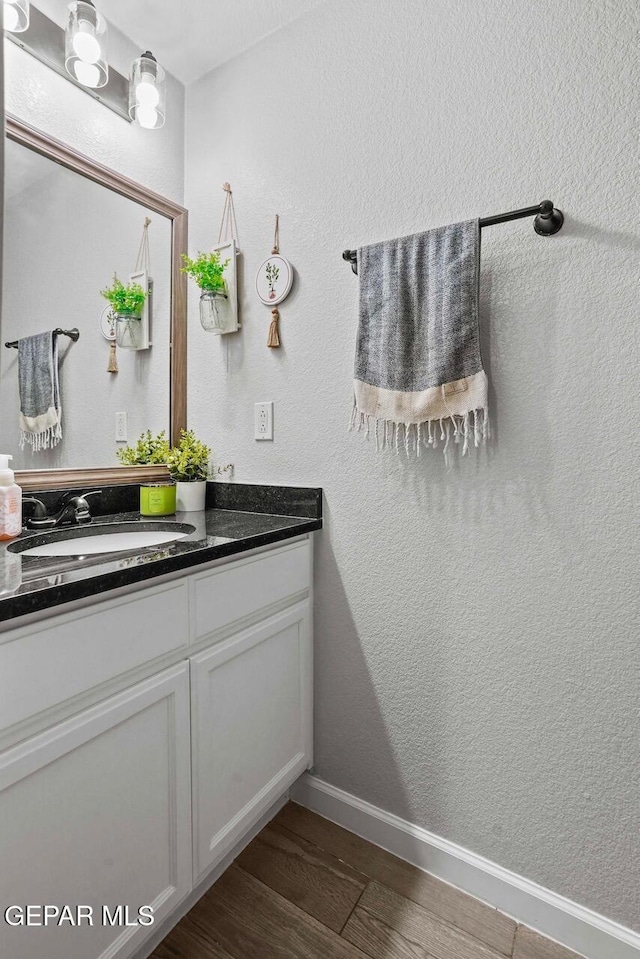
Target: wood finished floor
[308,889]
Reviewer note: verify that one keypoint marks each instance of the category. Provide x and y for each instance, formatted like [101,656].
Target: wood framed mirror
[60,153]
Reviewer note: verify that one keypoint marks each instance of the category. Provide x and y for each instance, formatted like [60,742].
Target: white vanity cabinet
[251,728]
[97,812]
[143,737]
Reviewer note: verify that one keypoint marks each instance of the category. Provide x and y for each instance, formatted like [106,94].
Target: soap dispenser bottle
[10,501]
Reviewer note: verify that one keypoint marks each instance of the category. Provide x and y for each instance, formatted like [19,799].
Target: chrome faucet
[71,510]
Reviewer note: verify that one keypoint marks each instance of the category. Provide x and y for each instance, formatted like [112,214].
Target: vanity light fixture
[15,14]
[147,92]
[86,45]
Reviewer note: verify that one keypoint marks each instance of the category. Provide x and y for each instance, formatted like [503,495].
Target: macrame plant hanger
[273,340]
[228,233]
[143,261]
[228,226]
[143,266]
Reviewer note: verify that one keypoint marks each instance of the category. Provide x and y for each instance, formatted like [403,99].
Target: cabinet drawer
[49,663]
[224,595]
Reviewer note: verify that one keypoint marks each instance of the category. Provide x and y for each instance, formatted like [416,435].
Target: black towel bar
[74,334]
[547,221]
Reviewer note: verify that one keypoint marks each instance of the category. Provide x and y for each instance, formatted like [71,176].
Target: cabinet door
[96,812]
[251,727]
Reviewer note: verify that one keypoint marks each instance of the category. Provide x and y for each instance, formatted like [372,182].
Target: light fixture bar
[44,40]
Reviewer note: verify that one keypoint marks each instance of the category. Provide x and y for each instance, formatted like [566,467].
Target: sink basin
[101,538]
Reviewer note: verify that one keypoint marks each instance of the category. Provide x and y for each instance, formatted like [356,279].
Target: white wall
[1,156]
[477,663]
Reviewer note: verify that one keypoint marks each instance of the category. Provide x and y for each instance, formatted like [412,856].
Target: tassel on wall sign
[112,366]
[274,333]
[273,284]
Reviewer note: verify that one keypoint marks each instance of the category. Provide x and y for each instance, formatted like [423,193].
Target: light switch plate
[263,421]
[121,427]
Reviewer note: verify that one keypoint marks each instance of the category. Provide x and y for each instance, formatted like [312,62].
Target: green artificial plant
[149,449]
[206,270]
[126,300]
[188,462]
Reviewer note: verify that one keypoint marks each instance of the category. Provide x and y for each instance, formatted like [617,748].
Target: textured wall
[477,650]
[1,156]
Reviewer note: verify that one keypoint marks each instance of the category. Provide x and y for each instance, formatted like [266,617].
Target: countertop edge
[11,613]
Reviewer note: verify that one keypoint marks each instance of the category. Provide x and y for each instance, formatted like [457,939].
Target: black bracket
[352,257]
[549,220]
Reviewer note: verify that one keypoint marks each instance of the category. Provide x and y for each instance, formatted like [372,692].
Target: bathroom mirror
[69,225]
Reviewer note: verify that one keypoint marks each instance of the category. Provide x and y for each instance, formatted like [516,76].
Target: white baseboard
[576,927]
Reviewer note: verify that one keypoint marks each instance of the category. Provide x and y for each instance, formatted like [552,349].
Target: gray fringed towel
[418,370]
[40,411]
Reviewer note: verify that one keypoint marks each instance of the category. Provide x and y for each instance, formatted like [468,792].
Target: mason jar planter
[213,312]
[128,331]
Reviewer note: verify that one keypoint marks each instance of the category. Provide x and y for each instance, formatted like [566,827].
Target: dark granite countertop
[29,584]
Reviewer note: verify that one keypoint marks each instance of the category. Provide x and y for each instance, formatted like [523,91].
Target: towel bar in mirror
[73,334]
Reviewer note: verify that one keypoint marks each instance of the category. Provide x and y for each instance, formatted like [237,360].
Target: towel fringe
[44,440]
[454,429]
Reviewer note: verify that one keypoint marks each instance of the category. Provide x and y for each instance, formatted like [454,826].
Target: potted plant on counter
[156,498]
[188,464]
[127,303]
[148,450]
[207,271]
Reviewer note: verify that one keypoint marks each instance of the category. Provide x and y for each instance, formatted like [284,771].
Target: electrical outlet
[263,421]
[121,427]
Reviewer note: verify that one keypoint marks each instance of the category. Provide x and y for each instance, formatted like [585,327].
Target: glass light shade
[147,92]
[15,14]
[86,45]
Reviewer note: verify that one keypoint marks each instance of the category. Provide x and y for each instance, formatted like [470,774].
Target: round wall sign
[274,279]
[108,323]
